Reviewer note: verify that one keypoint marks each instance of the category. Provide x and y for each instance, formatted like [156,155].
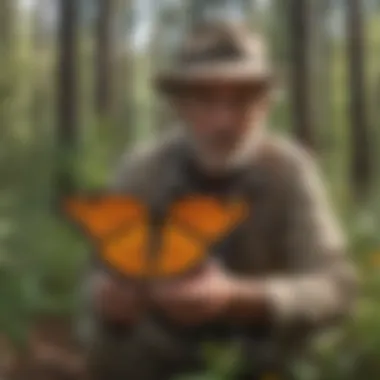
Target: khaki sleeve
[320,284]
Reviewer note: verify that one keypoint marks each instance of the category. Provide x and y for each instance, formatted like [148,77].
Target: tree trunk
[360,139]
[41,35]
[41,83]
[105,58]
[160,51]
[7,74]
[301,76]
[276,28]
[7,18]
[323,73]
[124,87]
[67,112]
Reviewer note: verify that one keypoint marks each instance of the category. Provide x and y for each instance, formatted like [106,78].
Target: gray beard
[241,157]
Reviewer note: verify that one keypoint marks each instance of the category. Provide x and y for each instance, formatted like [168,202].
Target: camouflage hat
[218,52]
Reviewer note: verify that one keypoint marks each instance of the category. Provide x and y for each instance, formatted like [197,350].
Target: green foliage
[222,363]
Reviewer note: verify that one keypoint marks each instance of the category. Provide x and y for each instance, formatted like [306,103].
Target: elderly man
[278,278]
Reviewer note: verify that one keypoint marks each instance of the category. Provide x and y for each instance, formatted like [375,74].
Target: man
[281,276]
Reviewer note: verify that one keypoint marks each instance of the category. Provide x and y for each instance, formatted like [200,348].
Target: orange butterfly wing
[102,216]
[128,252]
[208,217]
[119,225]
[180,251]
[195,223]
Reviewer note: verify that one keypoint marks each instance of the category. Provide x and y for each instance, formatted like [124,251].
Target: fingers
[175,292]
[193,298]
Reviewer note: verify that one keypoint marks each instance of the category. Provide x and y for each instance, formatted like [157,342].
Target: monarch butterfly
[120,227]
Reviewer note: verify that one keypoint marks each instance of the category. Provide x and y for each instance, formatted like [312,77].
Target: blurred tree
[105,57]
[45,13]
[124,81]
[7,54]
[322,70]
[300,26]
[169,23]
[276,28]
[42,42]
[67,113]
[89,10]
[159,50]
[7,22]
[360,138]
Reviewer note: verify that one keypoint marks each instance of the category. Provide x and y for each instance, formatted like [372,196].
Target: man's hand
[115,301]
[201,298]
